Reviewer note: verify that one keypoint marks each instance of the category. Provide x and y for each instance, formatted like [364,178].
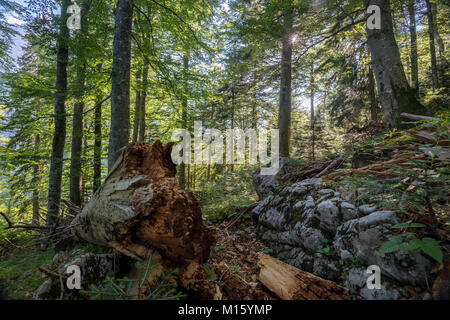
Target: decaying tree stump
[139,209]
[290,283]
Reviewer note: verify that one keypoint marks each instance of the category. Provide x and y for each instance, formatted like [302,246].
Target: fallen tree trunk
[140,209]
[290,283]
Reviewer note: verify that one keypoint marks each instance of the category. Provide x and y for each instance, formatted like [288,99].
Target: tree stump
[140,209]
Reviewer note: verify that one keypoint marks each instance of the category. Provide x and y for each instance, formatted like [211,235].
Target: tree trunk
[395,94]
[120,83]
[98,141]
[434,72]
[413,52]
[59,134]
[290,283]
[139,209]
[312,115]
[438,38]
[284,112]
[184,103]
[137,106]
[142,104]
[77,127]
[373,97]
[36,179]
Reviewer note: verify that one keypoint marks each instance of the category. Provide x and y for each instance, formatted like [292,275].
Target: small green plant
[328,249]
[391,134]
[210,272]
[428,246]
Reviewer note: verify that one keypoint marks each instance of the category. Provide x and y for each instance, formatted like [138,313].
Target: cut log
[290,283]
[140,208]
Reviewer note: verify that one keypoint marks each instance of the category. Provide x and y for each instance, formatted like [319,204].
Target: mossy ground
[19,275]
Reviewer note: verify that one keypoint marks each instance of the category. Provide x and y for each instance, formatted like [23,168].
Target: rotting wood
[140,208]
[290,283]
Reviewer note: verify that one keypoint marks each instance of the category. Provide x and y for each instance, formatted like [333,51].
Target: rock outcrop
[316,230]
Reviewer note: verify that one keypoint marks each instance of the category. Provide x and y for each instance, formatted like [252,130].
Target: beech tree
[120,81]
[396,96]
[59,134]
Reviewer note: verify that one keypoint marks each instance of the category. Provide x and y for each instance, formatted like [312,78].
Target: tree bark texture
[395,95]
[120,83]
[59,134]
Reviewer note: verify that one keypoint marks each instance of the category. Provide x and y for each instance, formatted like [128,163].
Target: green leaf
[408,225]
[415,244]
[432,248]
[393,244]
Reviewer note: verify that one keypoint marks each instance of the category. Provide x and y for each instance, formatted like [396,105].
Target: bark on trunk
[284,112]
[77,128]
[312,115]
[137,106]
[36,179]
[59,134]
[395,94]
[142,104]
[440,43]
[434,72]
[98,142]
[120,84]
[290,283]
[373,98]
[413,53]
[182,173]
[139,209]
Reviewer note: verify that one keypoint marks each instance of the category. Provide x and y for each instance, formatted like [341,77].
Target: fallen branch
[336,163]
[382,169]
[249,208]
[16,226]
[51,273]
[416,117]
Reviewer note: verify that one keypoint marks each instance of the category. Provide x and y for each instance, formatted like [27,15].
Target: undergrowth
[227,196]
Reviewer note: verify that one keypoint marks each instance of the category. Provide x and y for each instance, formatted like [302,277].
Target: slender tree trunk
[373,97]
[413,52]
[395,94]
[120,84]
[184,103]
[440,43]
[77,127]
[98,140]
[137,106]
[284,112]
[313,137]
[142,104]
[232,125]
[36,179]
[188,177]
[434,72]
[59,134]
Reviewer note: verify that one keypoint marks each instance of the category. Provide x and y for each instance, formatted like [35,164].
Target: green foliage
[162,288]
[210,272]
[428,246]
[328,248]
[226,197]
